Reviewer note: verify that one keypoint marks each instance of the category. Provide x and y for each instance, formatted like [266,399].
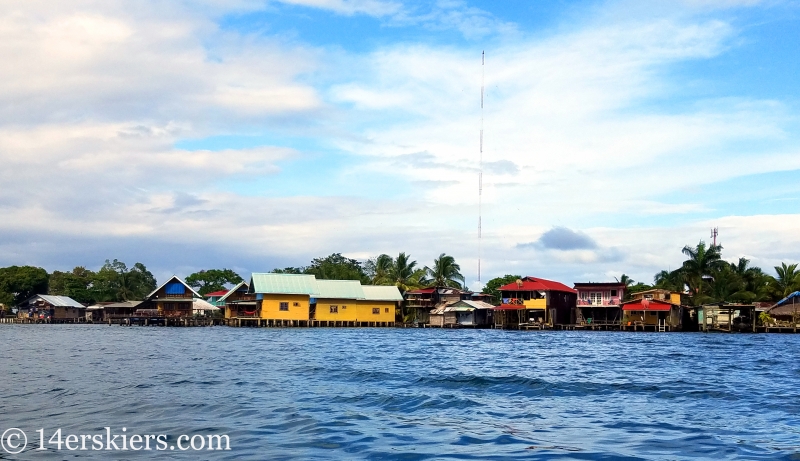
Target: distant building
[51,308]
[533,300]
[302,300]
[173,299]
[463,313]
[599,303]
[656,310]
[420,302]
[213,298]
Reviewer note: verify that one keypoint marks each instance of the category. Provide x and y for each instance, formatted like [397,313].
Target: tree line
[116,282]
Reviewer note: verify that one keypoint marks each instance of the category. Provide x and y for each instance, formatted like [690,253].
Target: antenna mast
[714,233]
[480,170]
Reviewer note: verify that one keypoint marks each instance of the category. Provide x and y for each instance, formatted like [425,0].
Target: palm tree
[445,273]
[670,280]
[625,280]
[703,262]
[403,273]
[378,269]
[788,279]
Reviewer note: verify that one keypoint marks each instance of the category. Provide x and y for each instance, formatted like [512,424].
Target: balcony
[595,302]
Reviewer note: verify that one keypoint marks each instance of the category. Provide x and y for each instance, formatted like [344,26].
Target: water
[410,394]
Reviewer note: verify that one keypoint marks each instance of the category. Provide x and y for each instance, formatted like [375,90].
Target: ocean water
[405,394]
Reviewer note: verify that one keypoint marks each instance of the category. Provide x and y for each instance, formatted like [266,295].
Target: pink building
[599,303]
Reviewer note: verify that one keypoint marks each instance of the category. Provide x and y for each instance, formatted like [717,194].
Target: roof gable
[233,290]
[178,279]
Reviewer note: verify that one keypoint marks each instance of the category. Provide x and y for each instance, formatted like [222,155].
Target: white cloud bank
[96,95]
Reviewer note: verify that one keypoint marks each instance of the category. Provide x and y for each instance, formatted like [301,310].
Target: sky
[255,134]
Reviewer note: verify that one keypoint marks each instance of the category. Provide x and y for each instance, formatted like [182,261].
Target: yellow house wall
[675,298]
[270,307]
[535,303]
[364,312]
[347,314]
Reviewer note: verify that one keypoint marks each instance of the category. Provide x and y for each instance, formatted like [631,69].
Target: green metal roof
[381,293]
[294,284]
[339,289]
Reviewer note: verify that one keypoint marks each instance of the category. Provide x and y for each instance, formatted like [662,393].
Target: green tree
[377,269]
[336,267]
[700,268]
[289,270]
[18,283]
[115,282]
[444,273]
[404,274]
[787,281]
[76,284]
[493,285]
[209,281]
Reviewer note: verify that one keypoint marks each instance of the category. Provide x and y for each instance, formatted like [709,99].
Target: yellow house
[283,298]
[658,294]
[336,300]
[379,304]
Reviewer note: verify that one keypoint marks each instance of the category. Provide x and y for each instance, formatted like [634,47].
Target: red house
[536,302]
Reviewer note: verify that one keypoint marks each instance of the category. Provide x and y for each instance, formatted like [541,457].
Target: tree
[788,280]
[18,283]
[700,268]
[444,273]
[115,282]
[289,270]
[336,267]
[403,273]
[377,269]
[209,281]
[493,285]
[76,284]
[625,280]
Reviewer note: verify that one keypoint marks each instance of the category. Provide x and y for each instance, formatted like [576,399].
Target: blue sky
[256,134]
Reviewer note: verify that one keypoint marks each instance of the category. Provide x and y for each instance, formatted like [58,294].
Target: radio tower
[714,233]
[480,171]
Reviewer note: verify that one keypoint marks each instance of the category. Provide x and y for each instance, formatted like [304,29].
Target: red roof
[537,284]
[646,305]
[217,293]
[422,291]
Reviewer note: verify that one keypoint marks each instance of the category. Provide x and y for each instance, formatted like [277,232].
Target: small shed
[787,310]
[463,313]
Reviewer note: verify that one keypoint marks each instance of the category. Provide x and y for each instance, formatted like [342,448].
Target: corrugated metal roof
[537,284]
[381,293]
[296,284]
[339,289]
[473,304]
[60,301]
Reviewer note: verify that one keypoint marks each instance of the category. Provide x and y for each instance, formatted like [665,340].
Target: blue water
[410,394]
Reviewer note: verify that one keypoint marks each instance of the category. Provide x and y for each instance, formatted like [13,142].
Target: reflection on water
[409,394]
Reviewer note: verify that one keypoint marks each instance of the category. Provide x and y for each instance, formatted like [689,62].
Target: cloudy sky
[254,134]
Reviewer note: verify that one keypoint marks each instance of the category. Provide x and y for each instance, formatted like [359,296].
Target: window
[296,304]
[284,306]
[376,310]
[613,293]
[334,309]
[596,298]
[344,307]
[648,296]
[387,310]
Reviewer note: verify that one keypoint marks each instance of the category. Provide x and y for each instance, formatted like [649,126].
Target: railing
[605,302]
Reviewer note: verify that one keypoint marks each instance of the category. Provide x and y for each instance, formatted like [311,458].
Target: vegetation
[493,285]
[401,272]
[444,273]
[18,283]
[333,267]
[209,281]
[704,277]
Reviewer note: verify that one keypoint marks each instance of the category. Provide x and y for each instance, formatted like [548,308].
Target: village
[528,303]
